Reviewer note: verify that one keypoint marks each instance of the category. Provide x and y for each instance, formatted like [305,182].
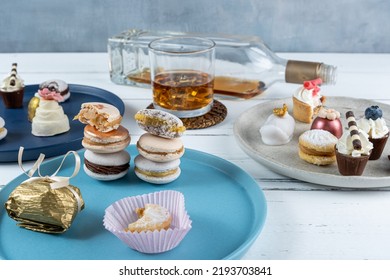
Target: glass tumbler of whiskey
[182,75]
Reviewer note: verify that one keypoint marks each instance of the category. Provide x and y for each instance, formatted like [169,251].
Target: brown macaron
[105,142]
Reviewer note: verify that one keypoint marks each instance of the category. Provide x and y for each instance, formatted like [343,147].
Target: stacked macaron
[160,148]
[105,141]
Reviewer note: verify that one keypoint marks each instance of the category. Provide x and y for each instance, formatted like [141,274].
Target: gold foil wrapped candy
[45,204]
[33,104]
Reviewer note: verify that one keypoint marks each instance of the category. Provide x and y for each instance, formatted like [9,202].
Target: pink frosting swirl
[46,94]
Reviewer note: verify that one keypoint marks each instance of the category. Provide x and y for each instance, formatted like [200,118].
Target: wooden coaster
[216,115]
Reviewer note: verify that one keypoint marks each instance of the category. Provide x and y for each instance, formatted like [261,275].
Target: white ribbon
[59,181]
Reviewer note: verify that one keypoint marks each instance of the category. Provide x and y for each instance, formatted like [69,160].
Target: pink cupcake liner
[122,212]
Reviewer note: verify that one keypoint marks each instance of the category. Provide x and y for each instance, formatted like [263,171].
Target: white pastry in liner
[122,212]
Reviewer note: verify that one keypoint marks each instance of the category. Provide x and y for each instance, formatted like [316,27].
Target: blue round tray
[226,206]
[19,128]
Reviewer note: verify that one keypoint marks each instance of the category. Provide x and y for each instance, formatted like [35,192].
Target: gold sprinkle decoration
[280,112]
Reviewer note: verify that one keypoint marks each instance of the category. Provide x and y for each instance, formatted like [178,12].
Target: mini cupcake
[353,149]
[307,101]
[328,119]
[12,89]
[121,219]
[375,126]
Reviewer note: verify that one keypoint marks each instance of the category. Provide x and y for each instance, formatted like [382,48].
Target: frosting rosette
[375,129]
[121,213]
[309,93]
[345,145]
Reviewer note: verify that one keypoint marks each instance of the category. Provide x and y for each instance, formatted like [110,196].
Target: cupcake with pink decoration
[307,101]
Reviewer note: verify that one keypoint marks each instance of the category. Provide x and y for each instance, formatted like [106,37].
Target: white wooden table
[305,221]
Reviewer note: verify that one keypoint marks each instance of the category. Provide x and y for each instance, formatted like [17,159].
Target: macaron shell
[160,123]
[104,160]
[2,122]
[105,117]
[145,164]
[111,159]
[63,87]
[158,180]
[104,177]
[160,149]
[105,148]
[117,135]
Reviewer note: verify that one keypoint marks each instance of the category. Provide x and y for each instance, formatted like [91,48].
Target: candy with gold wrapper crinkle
[47,203]
[36,206]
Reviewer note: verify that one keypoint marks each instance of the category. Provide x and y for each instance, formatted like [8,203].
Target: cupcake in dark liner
[12,90]
[350,161]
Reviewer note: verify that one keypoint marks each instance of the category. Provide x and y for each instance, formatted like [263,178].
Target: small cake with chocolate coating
[307,101]
[375,126]
[316,146]
[279,127]
[328,119]
[12,89]
[353,149]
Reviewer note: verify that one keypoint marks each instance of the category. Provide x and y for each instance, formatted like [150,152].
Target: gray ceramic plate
[285,160]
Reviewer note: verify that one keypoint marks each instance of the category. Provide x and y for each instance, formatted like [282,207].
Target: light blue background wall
[286,26]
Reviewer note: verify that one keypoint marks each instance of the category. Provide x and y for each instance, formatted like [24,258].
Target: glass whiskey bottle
[245,67]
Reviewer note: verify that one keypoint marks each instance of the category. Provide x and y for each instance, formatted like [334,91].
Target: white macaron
[106,167]
[156,172]
[3,130]
[156,148]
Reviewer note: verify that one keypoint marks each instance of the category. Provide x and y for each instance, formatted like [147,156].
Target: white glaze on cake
[277,130]
[345,146]
[49,119]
